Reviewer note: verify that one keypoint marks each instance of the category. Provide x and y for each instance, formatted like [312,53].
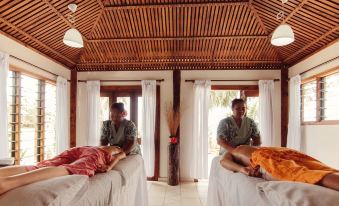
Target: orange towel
[290,165]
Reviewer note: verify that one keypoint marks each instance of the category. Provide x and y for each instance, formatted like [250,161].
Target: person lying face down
[278,163]
[77,160]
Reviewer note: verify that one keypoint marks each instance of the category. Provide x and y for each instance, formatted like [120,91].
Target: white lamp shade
[73,38]
[282,35]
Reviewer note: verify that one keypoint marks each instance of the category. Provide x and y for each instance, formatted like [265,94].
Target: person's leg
[330,181]
[12,170]
[11,182]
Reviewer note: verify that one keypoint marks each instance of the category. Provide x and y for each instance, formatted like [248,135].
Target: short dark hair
[118,106]
[237,101]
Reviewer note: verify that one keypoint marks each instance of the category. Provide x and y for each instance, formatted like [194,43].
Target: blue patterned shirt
[235,136]
[126,131]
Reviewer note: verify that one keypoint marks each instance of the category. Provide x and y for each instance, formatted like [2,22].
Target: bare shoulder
[243,153]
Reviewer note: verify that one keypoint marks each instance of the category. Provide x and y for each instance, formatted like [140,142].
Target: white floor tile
[185,194]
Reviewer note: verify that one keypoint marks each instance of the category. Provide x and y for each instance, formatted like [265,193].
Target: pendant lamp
[283,34]
[72,36]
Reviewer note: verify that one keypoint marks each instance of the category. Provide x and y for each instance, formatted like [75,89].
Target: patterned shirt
[235,136]
[126,131]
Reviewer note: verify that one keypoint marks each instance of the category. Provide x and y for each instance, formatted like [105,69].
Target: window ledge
[323,122]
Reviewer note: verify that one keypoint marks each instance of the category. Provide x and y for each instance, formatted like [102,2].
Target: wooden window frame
[318,78]
[247,90]
[113,91]
[16,114]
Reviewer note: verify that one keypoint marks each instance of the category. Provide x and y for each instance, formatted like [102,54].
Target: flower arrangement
[173,121]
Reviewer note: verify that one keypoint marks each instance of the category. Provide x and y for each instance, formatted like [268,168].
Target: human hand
[121,155]
[252,172]
[102,169]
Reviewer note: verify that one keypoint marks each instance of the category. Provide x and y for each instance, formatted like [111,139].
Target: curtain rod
[122,80]
[17,58]
[328,61]
[230,80]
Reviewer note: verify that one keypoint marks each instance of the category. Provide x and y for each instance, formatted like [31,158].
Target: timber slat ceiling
[167,34]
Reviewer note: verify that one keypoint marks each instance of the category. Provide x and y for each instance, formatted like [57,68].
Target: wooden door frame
[136,89]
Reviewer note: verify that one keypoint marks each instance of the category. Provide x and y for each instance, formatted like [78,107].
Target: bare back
[242,154]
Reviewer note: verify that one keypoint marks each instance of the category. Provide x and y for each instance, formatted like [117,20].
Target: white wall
[18,50]
[320,141]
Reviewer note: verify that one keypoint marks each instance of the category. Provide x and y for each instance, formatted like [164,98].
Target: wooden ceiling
[171,34]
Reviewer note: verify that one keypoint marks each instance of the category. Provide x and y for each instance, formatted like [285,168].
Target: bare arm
[228,162]
[115,160]
[225,144]
[128,146]
[256,141]
[103,142]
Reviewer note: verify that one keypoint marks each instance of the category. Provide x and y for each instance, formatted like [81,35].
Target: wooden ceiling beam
[61,16]
[95,23]
[101,4]
[190,61]
[311,44]
[176,38]
[35,40]
[294,11]
[174,5]
[292,14]
[263,27]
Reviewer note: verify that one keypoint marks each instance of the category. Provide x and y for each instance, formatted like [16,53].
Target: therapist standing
[237,129]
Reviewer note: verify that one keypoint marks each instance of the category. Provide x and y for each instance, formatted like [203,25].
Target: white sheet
[125,185]
[226,188]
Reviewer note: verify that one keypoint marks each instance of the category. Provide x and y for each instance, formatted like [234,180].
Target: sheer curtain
[82,115]
[93,111]
[201,95]
[149,88]
[266,89]
[294,131]
[61,119]
[4,66]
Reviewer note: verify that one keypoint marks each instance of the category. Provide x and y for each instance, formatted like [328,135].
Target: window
[309,102]
[31,115]
[320,97]
[330,97]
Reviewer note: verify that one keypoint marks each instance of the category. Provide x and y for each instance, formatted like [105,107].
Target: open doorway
[220,108]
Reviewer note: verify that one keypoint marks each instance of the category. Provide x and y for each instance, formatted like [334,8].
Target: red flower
[173,140]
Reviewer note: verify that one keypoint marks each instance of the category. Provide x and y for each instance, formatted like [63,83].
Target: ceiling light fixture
[283,34]
[72,36]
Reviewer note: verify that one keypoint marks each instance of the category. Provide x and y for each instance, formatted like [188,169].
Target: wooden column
[73,108]
[174,149]
[284,106]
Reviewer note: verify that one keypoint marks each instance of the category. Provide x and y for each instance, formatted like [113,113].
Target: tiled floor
[185,194]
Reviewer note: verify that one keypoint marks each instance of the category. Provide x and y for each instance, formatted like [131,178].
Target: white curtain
[93,109]
[149,88]
[4,66]
[201,95]
[82,115]
[294,131]
[266,89]
[62,119]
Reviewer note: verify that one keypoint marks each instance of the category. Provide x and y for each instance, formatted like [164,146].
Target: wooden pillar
[284,106]
[174,149]
[73,108]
